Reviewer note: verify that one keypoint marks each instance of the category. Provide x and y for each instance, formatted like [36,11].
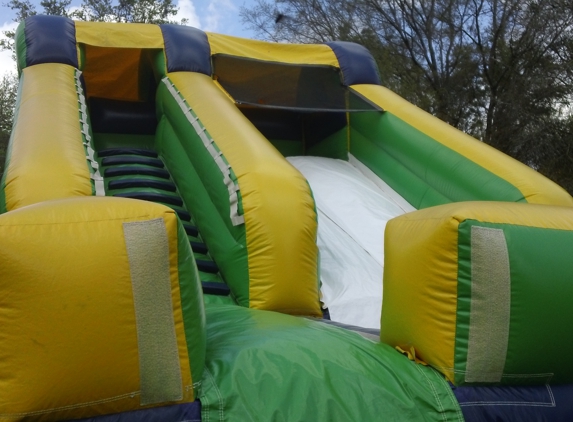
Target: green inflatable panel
[266,366]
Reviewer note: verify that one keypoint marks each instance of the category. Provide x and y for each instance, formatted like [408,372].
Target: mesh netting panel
[286,86]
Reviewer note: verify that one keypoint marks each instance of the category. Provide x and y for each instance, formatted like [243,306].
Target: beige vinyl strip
[148,253]
[490,305]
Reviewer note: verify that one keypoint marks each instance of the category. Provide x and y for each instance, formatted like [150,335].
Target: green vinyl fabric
[331,374]
[538,316]
[203,191]
[421,169]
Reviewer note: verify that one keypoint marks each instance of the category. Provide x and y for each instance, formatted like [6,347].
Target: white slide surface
[352,214]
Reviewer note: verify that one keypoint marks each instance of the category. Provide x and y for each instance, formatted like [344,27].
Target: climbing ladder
[141,174]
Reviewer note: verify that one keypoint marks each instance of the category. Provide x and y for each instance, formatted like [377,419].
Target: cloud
[7,64]
[8,26]
[187,11]
[217,11]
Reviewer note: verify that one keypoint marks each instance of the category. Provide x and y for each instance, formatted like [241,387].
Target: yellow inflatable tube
[47,158]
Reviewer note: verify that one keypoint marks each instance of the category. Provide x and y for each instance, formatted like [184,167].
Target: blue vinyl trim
[50,39]
[516,403]
[357,64]
[187,49]
[186,412]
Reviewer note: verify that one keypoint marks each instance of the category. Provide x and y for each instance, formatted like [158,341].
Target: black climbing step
[142,183]
[214,288]
[152,196]
[191,230]
[183,215]
[207,266]
[131,171]
[199,247]
[132,159]
[110,152]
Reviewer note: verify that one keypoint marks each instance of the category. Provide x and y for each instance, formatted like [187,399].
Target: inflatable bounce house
[200,227]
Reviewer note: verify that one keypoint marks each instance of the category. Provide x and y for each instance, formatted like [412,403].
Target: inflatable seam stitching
[219,396]
[547,375]
[434,393]
[73,406]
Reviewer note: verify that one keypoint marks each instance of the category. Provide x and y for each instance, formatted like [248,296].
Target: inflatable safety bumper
[480,291]
[110,320]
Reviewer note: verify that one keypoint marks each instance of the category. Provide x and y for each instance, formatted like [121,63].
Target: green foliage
[55,7]
[500,71]
[131,11]
[8,89]
[141,11]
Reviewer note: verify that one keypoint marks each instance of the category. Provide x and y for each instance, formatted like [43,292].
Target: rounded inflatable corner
[468,286]
[356,62]
[107,291]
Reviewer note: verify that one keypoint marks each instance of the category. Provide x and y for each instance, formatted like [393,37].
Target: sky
[220,16]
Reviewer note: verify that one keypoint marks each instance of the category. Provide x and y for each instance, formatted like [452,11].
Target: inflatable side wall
[101,310]
[462,323]
[431,163]
[48,149]
[265,244]
[480,290]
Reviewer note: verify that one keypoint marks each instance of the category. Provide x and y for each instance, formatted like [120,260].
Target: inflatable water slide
[200,227]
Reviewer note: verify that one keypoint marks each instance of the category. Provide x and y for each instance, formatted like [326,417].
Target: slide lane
[352,216]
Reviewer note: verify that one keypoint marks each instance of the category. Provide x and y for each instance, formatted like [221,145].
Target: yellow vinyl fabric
[101,43]
[279,213]
[535,188]
[420,285]
[69,345]
[422,273]
[119,35]
[315,54]
[47,159]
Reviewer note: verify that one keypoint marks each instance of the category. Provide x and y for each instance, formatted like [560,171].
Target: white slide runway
[352,214]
